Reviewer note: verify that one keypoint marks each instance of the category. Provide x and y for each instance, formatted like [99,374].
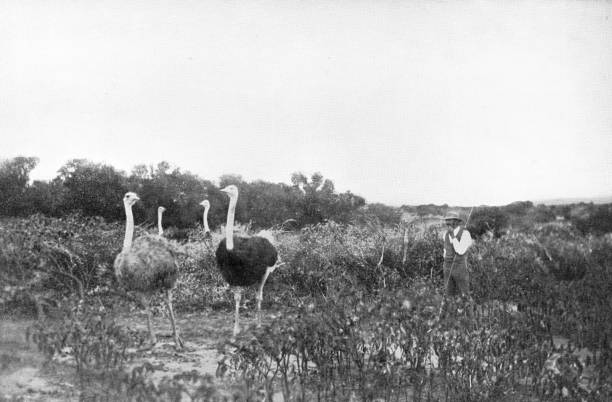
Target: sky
[402,102]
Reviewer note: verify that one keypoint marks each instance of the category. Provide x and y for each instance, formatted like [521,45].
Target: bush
[573,295]
[488,219]
[387,347]
[589,218]
[424,256]
[89,334]
[54,257]
[200,283]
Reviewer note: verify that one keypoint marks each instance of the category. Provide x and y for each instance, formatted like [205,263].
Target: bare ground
[25,376]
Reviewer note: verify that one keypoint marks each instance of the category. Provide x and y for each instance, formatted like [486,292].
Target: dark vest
[451,255]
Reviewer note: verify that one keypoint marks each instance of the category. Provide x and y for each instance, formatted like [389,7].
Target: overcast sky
[402,102]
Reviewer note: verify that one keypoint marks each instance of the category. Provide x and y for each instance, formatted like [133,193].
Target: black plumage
[247,263]
[244,261]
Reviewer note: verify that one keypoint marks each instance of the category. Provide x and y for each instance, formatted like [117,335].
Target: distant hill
[576,200]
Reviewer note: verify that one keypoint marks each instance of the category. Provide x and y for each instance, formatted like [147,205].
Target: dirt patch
[202,334]
[23,372]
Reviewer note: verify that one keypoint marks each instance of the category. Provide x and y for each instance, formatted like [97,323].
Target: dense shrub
[327,258]
[45,257]
[572,290]
[200,284]
[424,256]
[88,333]
[388,347]
[590,218]
[488,219]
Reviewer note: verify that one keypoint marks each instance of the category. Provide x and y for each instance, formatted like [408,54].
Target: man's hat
[453,216]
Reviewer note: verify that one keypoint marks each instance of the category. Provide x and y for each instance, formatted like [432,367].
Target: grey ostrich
[160,228]
[244,261]
[146,266]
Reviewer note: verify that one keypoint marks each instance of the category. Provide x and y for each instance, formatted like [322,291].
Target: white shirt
[461,246]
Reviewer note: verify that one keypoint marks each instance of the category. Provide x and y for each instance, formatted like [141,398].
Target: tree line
[97,189]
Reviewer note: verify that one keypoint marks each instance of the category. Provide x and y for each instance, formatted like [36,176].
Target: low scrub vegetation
[363,313]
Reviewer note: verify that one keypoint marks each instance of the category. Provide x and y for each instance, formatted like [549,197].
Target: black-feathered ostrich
[244,261]
[146,266]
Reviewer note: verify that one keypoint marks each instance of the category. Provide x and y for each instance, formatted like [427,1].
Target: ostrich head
[161,209]
[205,204]
[231,190]
[130,198]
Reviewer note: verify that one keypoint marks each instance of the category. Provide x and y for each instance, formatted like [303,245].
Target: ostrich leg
[269,270]
[237,297]
[177,338]
[145,303]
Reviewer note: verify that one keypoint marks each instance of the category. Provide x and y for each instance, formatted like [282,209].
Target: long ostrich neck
[129,227]
[206,228]
[229,225]
[160,230]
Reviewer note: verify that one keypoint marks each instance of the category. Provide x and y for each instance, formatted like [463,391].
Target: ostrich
[207,235]
[160,229]
[146,266]
[244,261]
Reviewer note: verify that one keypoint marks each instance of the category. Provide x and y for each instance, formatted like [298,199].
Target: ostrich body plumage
[149,266]
[247,263]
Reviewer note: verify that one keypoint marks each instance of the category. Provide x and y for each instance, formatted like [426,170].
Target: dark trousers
[459,280]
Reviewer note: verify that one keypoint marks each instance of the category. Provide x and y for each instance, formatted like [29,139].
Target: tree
[268,204]
[45,197]
[14,178]
[179,192]
[92,188]
[317,201]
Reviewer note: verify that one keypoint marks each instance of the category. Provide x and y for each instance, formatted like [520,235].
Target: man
[457,240]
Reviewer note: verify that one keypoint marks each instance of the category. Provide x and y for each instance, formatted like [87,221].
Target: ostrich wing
[247,262]
[149,265]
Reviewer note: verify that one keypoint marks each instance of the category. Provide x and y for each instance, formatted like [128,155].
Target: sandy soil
[22,372]
[24,375]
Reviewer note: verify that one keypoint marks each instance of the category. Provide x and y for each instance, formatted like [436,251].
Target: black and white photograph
[306,200]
